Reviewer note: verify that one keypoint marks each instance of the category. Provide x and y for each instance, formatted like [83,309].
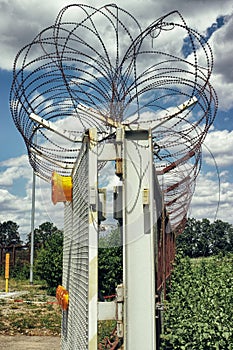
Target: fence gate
[104,71]
[135,209]
[79,323]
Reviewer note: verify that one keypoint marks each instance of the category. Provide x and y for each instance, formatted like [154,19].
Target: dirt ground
[23,342]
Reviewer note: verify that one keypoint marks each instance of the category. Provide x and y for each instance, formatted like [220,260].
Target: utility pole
[32,222]
[32,226]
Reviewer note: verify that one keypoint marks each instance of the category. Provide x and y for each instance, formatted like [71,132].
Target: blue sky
[20,21]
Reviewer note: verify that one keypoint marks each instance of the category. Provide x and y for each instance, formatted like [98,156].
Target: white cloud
[220,143]
[222,45]
[22,20]
[16,206]
[210,201]
[213,196]
[13,169]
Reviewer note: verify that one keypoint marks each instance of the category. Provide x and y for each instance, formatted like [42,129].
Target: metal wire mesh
[75,260]
[102,58]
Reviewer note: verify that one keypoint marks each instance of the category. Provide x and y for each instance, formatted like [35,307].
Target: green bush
[110,263]
[199,307]
[110,269]
[48,264]
[21,270]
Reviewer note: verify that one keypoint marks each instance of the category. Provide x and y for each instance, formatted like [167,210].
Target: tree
[42,233]
[202,238]
[221,237]
[48,263]
[110,262]
[9,234]
[194,241]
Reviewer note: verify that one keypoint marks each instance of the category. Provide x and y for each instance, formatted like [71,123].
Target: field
[29,312]
[198,310]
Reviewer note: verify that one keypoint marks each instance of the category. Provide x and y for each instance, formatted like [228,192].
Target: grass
[32,313]
[106,330]
[37,313]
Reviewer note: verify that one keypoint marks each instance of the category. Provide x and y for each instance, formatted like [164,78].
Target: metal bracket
[113,310]
[160,307]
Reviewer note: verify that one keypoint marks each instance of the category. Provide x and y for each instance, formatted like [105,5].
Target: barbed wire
[102,58]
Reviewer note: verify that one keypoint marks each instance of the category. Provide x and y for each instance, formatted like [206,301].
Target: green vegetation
[48,247]
[202,238]
[198,309]
[33,312]
[48,264]
[106,327]
[198,312]
[110,263]
[9,234]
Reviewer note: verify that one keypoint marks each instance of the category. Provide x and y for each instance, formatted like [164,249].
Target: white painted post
[93,241]
[138,239]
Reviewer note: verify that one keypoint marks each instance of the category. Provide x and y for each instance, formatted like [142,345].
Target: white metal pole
[32,226]
[32,221]
[138,249]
